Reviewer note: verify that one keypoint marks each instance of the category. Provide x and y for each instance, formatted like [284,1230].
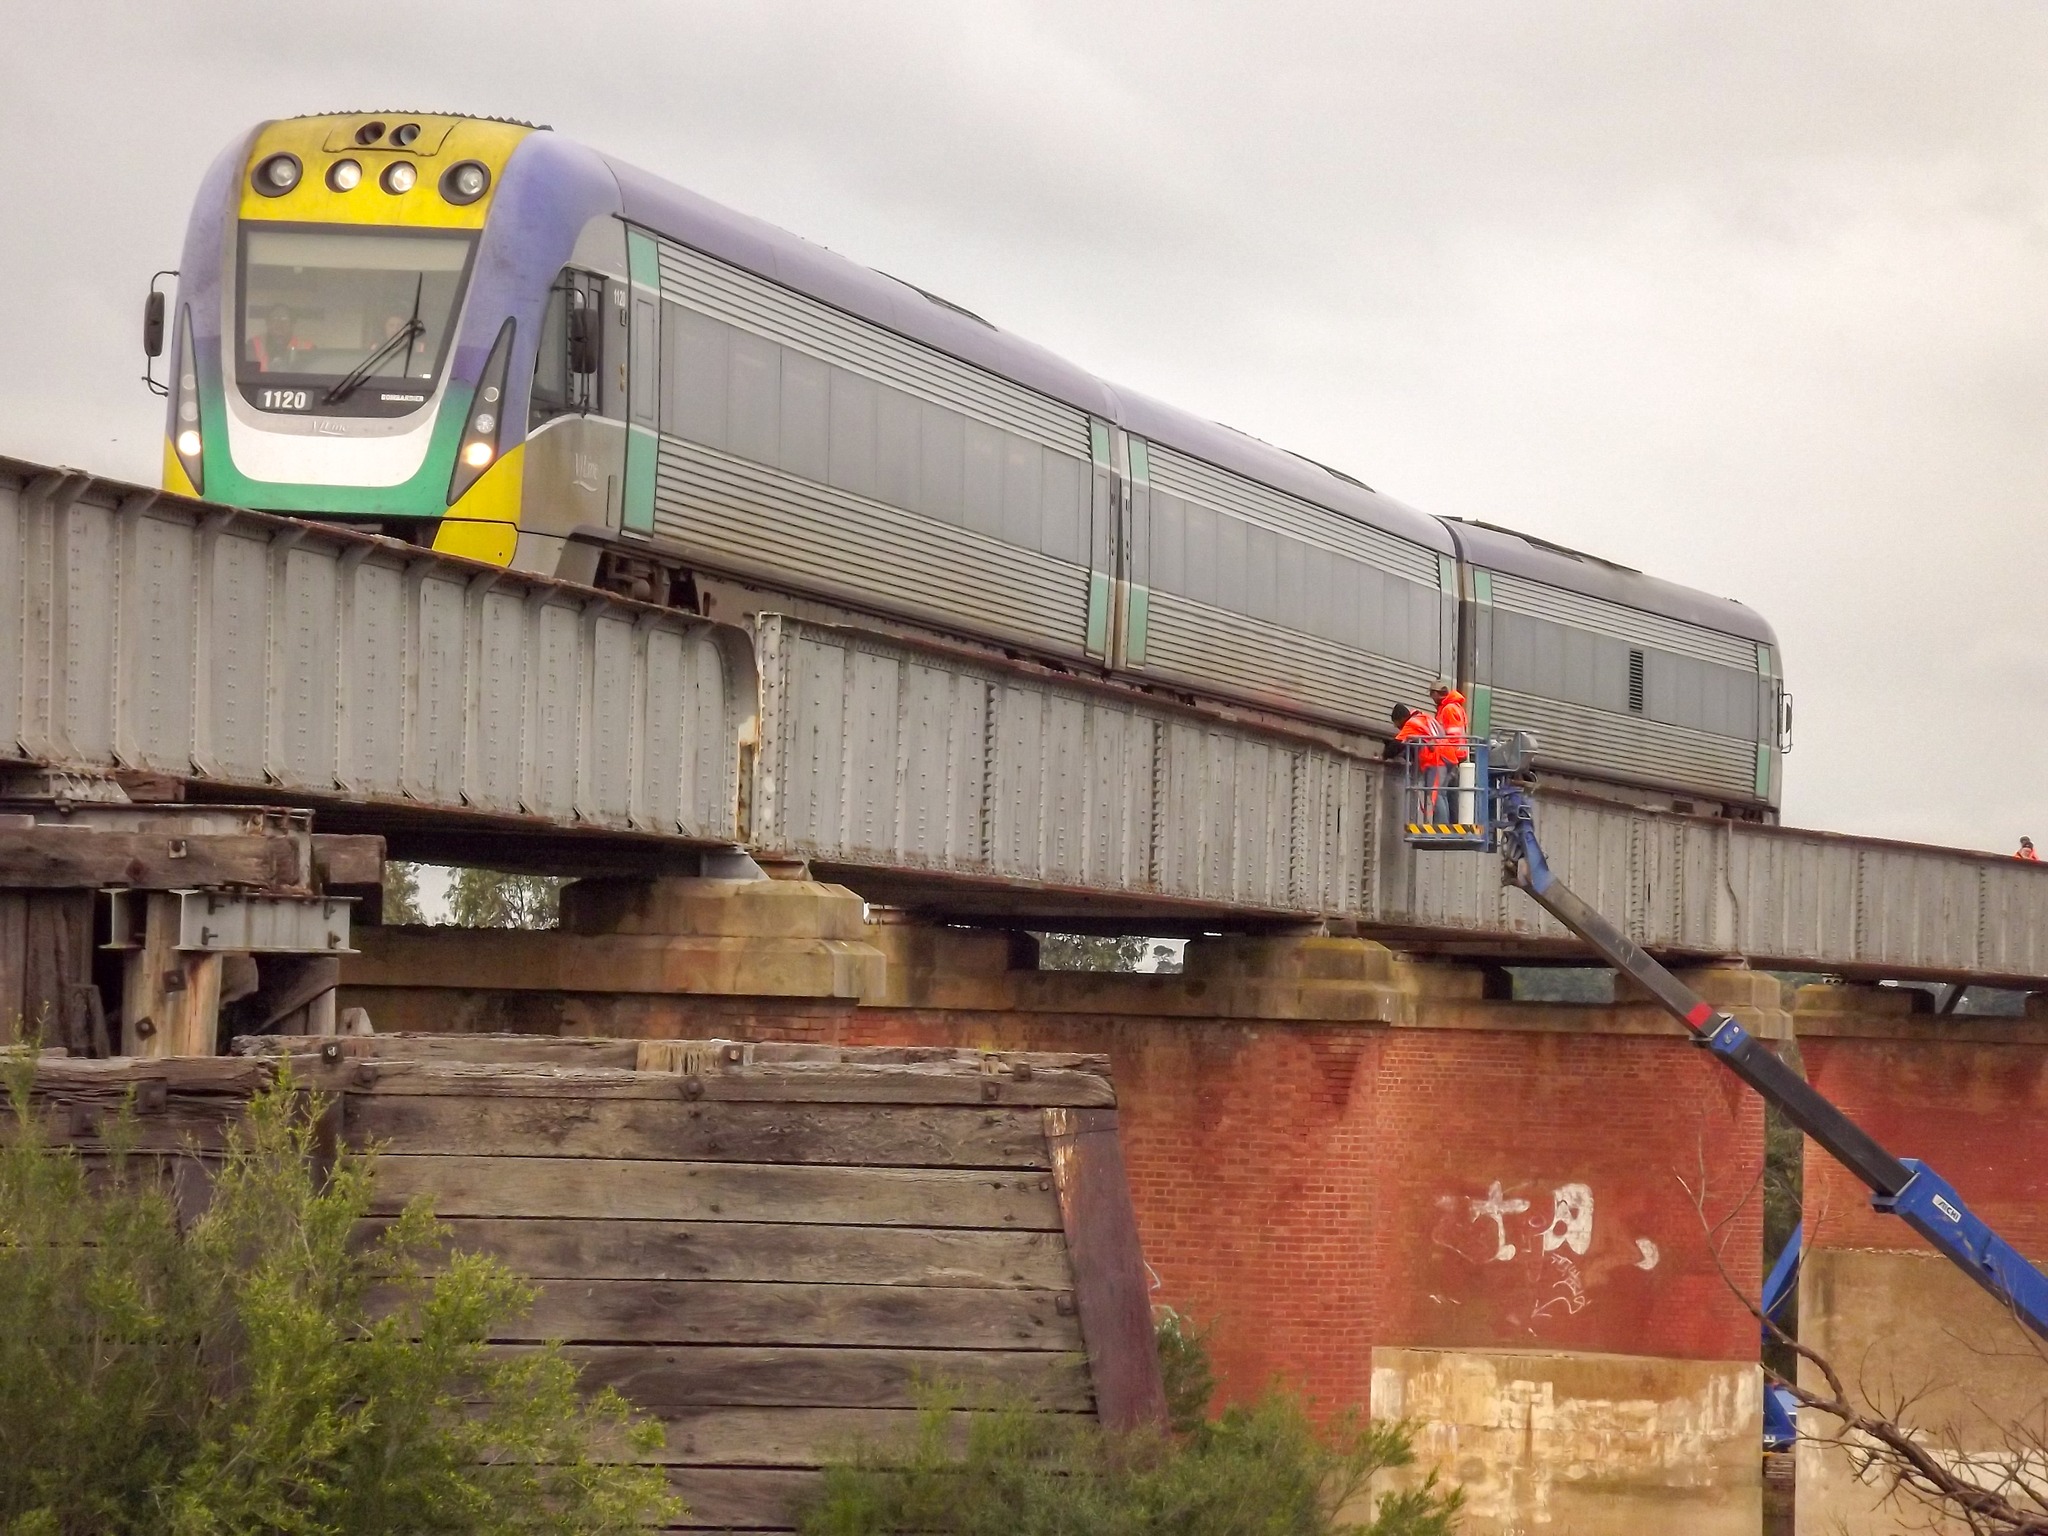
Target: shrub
[267,1370]
[1260,1470]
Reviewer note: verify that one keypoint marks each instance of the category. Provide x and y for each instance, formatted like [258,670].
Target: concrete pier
[1910,1336]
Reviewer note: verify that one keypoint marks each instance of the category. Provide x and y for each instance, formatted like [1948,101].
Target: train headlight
[277,175]
[344,175]
[400,176]
[186,441]
[480,434]
[466,182]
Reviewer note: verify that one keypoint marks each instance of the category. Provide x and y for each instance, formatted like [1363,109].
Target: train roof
[808,268]
[1521,554]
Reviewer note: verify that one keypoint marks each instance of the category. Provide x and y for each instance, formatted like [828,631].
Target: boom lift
[1472,793]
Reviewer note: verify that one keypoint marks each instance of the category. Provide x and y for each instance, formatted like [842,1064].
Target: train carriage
[483,336]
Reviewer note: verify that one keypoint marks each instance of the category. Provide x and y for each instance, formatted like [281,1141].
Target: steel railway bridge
[481,715]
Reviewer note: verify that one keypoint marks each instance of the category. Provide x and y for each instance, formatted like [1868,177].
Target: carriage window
[346,321]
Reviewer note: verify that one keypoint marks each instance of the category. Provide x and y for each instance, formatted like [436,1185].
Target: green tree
[491,898]
[1089,952]
[402,893]
[264,1370]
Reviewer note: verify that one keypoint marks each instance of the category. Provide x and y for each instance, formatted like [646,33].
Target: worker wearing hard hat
[1451,719]
[1457,729]
[2027,851]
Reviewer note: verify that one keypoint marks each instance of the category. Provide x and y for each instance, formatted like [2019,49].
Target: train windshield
[353,322]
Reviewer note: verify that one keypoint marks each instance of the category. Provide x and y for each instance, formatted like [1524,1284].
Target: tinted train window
[1560,661]
[351,321]
[558,387]
[1226,562]
[744,394]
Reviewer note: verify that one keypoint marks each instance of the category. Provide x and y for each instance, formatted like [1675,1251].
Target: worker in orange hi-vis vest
[1420,726]
[1451,719]
[2027,851]
[1456,727]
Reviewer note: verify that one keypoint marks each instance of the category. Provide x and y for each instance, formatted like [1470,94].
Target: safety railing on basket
[1445,792]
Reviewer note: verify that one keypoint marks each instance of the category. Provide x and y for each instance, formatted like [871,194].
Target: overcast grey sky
[1753,296]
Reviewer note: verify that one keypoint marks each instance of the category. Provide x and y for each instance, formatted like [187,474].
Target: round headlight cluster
[466,182]
[369,133]
[404,134]
[277,175]
[345,175]
[399,176]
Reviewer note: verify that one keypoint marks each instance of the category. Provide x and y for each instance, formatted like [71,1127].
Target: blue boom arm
[1901,1185]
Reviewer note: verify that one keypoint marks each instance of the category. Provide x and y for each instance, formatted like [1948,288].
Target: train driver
[277,346]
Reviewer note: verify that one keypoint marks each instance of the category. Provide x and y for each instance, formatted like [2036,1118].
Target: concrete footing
[1593,1444]
[625,951]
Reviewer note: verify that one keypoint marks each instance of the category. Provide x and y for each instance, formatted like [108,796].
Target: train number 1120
[284,399]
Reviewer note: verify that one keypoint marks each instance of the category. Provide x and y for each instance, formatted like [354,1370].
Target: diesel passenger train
[482,336]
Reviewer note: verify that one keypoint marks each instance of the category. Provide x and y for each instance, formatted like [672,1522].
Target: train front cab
[412,322]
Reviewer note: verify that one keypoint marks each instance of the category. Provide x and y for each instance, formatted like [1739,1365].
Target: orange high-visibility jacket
[1422,726]
[1452,721]
[2029,855]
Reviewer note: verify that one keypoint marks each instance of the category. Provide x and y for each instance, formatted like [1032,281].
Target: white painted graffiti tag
[1571,1219]
[1499,1208]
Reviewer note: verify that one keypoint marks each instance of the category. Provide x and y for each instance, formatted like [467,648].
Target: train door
[1106,500]
[1118,600]
[1133,557]
[574,451]
[1475,647]
[641,311]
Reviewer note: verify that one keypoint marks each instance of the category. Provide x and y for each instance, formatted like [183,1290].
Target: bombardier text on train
[482,336]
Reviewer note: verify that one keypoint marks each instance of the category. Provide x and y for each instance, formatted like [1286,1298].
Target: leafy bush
[265,1369]
[1261,1470]
[1185,1369]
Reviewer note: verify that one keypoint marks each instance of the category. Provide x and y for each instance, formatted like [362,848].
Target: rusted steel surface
[141,630]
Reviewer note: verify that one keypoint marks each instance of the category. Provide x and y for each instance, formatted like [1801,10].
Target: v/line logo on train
[478,335]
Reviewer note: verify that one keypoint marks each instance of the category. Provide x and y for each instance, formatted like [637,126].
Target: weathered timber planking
[90,1124]
[772,1082]
[550,1248]
[84,859]
[226,1076]
[550,1186]
[57,965]
[668,1055]
[767,1312]
[659,1378]
[347,859]
[493,1049]
[15,1022]
[784,1437]
[474,1050]
[1109,1267]
[914,1136]
[741,1498]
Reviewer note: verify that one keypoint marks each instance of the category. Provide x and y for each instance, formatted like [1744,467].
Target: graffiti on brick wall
[1549,1242]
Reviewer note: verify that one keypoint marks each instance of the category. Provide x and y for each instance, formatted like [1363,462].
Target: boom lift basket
[1450,792]
[1447,793]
